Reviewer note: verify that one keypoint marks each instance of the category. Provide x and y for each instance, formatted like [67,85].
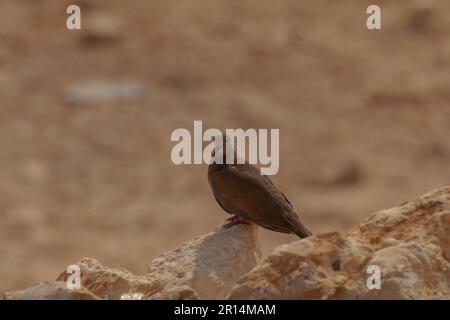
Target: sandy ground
[363,117]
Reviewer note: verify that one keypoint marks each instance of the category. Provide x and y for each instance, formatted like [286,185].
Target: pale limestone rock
[409,243]
[210,264]
[50,291]
[175,293]
[110,283]
[206,268]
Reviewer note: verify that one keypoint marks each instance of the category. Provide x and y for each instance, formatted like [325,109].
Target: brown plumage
[242,191]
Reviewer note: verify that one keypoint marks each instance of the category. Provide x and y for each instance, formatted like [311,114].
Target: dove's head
[222,147]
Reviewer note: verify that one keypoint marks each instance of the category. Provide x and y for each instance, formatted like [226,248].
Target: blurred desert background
[86,118]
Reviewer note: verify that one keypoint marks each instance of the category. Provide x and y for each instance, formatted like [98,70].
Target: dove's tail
[301,231]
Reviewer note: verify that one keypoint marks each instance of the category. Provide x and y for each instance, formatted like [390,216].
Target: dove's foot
[234,220]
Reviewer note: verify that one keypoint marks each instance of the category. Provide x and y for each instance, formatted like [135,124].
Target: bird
[241,190]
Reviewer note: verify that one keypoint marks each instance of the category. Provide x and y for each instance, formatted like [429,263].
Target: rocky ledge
[399,253]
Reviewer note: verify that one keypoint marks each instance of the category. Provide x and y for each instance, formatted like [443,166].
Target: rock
[409,243]
[206,268]
[50,291]
[110,283]
[210,264]
[104,91]
[175,293]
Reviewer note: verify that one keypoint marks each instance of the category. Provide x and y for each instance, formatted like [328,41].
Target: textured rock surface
[110,283]
[206,267]
[50,291]
[175,293]
[210,264]
[409,243]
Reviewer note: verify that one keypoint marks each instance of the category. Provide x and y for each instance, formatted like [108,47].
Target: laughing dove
[242,191]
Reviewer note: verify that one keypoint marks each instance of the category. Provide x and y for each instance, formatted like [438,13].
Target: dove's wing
[241,190]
